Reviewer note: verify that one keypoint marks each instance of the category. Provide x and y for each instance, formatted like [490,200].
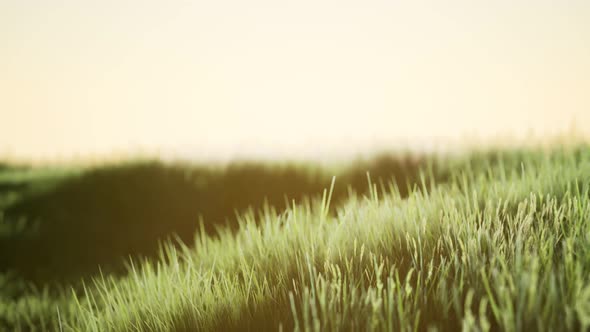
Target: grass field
[496,240]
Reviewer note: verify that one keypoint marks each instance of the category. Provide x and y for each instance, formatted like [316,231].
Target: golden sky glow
[268,77]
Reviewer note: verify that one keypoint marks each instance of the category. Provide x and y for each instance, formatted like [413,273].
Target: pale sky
[285,78]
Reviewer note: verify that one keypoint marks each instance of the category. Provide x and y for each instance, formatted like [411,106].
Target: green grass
[503,243]
[55,224]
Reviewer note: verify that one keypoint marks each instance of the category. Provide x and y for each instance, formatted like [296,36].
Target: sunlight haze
[216,79]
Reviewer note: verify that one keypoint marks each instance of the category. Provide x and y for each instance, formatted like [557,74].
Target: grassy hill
[66,223]
[487,241]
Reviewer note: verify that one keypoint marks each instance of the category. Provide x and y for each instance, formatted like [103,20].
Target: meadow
[496,240]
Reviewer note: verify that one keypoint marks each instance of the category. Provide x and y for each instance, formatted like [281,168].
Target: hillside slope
[503,244]
[67,224]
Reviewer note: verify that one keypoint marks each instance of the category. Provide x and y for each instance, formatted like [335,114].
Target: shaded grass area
[64,225]
[501,245]
[488,241]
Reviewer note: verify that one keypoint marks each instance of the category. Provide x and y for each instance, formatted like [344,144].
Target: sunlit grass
[504,245]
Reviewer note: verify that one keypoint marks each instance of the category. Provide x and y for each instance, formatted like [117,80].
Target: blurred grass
[460,242]
[61,224]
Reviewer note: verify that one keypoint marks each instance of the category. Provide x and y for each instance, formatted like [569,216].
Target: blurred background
[298,79]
